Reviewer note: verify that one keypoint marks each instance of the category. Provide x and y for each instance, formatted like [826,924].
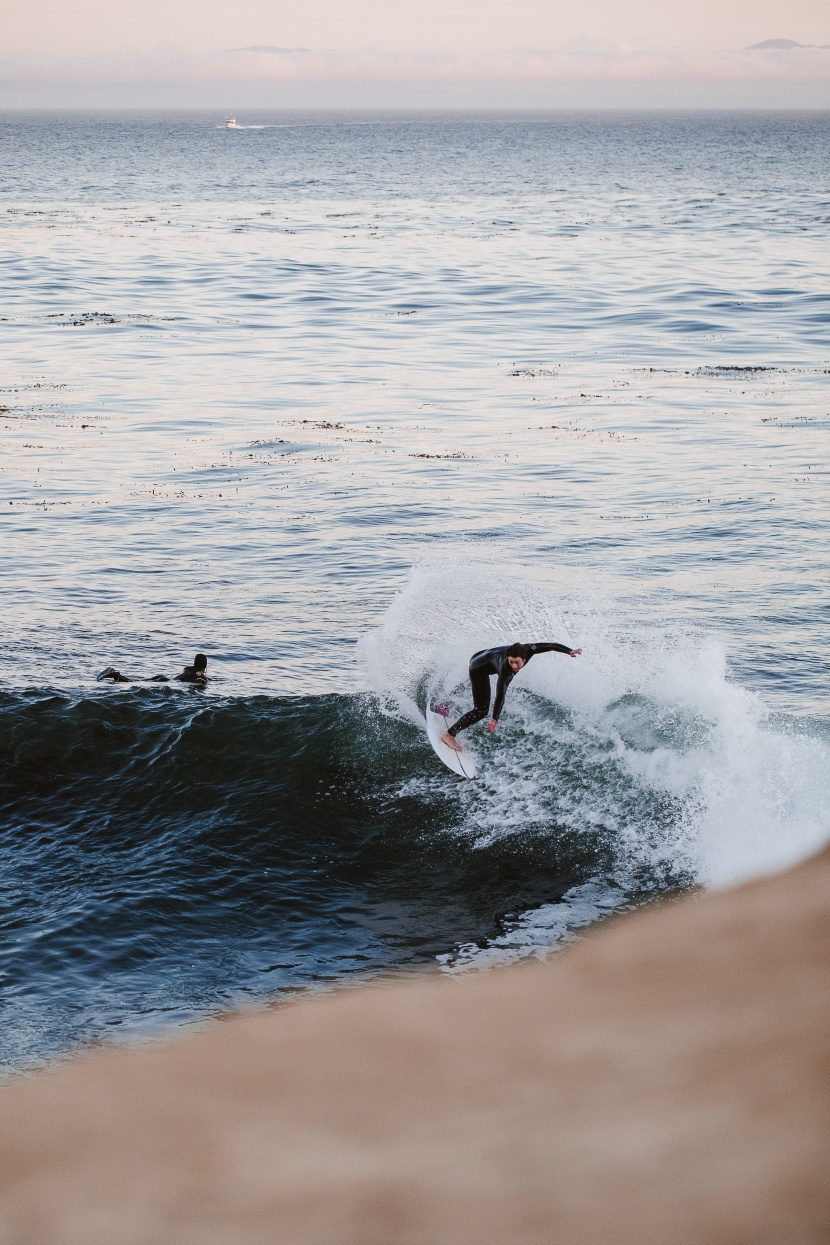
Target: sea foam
[645,764]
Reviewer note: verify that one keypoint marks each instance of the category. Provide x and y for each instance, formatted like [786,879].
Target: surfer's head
[517,655]
[200,662]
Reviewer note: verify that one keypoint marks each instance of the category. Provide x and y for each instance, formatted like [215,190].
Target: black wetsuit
[494,661]
[191,675]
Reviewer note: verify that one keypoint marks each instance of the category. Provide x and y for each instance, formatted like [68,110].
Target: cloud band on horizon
[263,76]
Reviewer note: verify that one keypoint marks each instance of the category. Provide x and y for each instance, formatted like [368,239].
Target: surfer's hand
[575,652]
[491,725]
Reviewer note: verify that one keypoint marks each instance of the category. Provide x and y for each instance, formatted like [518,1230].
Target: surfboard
[439,715]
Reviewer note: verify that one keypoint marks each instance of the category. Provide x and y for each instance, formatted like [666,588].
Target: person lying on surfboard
[506,662]
[197,673]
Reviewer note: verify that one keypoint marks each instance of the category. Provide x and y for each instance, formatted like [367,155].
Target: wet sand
[665,1080]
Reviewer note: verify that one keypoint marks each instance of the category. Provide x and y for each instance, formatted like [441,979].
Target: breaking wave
[642,765]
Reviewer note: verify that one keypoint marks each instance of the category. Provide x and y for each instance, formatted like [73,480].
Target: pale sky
[413,53]
[100,27]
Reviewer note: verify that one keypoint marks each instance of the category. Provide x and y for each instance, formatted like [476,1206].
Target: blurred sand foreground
[665,1080]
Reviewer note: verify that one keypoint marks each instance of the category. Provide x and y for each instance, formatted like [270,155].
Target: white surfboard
[440,713]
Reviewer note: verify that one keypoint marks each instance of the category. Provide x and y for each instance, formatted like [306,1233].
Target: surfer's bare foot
[450,741]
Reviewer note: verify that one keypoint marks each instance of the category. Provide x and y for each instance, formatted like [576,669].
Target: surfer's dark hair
[519,650]
[199,661]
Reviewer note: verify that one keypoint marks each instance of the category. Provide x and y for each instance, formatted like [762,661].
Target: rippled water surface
[339,400]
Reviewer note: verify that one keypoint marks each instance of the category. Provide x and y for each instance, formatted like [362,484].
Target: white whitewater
[646,746]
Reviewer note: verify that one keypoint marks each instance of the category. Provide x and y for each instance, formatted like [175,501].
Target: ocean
[339,399]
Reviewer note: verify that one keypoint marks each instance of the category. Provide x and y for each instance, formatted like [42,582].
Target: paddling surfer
[506,662]
[197,673]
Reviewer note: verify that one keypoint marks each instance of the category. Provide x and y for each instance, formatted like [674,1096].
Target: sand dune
[666,1080]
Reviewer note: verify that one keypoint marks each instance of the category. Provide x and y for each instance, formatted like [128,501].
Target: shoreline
[662,1079]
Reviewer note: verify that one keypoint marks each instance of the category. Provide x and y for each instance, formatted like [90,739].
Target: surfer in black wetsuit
[197,673]
[506,662]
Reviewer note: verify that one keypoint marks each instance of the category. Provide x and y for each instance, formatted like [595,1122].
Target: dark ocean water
[339,400]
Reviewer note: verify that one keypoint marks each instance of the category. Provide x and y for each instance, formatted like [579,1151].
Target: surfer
[197,673]
[506,662]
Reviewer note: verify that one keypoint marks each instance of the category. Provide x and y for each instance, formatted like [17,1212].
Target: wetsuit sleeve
[502,685]
[548,648]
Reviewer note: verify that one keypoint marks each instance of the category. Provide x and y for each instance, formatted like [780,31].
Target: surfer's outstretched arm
[554,648]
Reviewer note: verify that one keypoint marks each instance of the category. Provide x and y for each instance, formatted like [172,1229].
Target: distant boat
[230,123]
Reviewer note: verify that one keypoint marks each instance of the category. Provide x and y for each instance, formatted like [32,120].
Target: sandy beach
[664,1080]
